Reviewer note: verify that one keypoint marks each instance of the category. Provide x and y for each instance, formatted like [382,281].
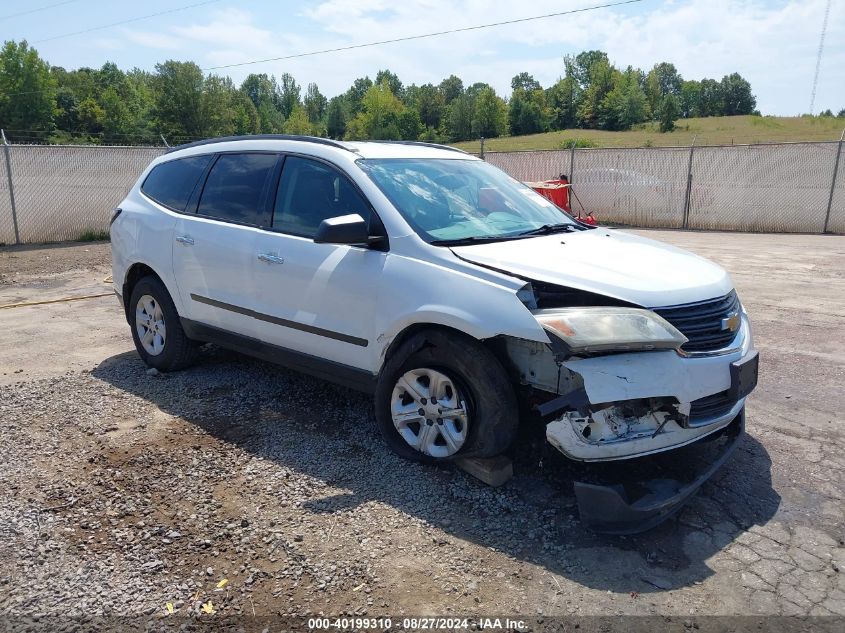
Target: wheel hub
[149,324]
[429,412]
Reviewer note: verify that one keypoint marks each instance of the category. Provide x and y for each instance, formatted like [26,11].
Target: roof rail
[421,144]
[263,137]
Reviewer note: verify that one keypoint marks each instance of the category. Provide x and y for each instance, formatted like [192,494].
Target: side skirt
[351,377]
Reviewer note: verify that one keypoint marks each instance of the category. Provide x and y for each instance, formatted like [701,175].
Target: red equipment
[558,191]
[555,190]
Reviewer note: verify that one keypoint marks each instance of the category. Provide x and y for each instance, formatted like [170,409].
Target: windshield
[447,200]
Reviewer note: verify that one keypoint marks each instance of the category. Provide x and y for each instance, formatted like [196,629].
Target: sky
[771,43]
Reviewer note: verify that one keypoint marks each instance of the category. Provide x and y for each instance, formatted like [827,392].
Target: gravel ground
[25,264]
[124,491]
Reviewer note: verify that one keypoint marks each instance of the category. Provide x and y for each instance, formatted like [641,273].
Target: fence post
[833,182]
[688,193]
[482,148]
[164,140]
[11,187]
[571,160]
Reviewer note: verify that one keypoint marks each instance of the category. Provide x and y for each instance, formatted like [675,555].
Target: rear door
[214,246]
[319,299]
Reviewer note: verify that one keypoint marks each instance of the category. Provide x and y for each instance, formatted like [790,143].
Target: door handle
[184,239]
[270,258]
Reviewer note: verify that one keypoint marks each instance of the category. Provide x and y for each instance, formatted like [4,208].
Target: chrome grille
[701,322]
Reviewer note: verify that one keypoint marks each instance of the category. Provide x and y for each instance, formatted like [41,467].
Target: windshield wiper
[473,239]
[548,229]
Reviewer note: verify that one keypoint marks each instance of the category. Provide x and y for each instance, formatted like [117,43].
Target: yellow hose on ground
[24,304]
[63,300]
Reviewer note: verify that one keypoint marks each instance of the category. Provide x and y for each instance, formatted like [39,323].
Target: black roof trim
[421,144]
[262,137]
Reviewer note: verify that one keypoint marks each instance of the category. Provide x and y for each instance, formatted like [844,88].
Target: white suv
[447,289]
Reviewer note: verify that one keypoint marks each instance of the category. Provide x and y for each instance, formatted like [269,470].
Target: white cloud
[773,45]
[152,40]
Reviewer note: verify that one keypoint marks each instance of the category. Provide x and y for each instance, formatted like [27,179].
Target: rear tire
[476,413]
[156,329]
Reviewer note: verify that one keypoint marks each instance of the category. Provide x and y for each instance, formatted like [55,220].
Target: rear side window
[310,192]
[234,190]
[172,183]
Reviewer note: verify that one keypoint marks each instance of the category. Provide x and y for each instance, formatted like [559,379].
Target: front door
[319,299]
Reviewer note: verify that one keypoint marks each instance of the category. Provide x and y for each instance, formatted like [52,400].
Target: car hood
[608,262]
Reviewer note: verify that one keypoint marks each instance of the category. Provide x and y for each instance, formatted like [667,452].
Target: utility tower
[819,57]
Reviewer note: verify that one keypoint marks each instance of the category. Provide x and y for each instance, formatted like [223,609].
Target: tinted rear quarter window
[234,190]
[172,183]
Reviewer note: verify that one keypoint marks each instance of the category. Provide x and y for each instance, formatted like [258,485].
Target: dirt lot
[122,491]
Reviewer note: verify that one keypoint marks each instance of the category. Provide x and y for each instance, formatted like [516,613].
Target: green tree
[625,105]
[298,123]
[315,103]
[581,67]
[260,89]
[690,98]
[379,117]
[490,118]
[710,101]
[263,92]
[527,111]
[27,89]
[67,110]
[91,116]
[475,89]
[392,82]
[663,79]
[430,103]
[218,106]
[562,99]
[245,114]
[410,126]
[354,97]
[669,111]
[525,82]
[600,83]
[451,88]
[118,123]
[336,118]
[140,84]
[736,95]
[270,119]
[289,92]
[178,107]
[459,118]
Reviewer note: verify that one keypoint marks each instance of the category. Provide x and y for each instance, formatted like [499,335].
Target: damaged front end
[618,384]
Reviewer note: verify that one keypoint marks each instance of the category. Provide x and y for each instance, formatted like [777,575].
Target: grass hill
[726,130]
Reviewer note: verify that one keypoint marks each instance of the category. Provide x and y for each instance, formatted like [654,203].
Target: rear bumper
[639,504]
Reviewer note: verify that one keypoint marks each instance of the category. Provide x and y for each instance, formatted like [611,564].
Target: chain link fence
[62,192]
[836,212]
[773,187]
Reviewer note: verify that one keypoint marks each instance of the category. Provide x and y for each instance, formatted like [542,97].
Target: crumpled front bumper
[637,505]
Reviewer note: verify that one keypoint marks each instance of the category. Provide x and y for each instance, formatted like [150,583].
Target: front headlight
[601,329]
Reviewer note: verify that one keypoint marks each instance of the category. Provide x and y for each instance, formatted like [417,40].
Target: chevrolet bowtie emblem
[731,322]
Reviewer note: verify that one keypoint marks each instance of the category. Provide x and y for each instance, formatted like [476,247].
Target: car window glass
[172,183]
[454,199]
[310,192]
[234,188]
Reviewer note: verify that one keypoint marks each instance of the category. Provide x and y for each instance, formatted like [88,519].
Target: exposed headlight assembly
[601,329]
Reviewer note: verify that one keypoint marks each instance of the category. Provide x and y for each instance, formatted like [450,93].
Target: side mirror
[344,229]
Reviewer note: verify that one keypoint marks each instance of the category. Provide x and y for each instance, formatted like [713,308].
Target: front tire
[443,395]
[156,329]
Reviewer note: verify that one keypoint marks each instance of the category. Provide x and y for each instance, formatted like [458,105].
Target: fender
[415,292]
